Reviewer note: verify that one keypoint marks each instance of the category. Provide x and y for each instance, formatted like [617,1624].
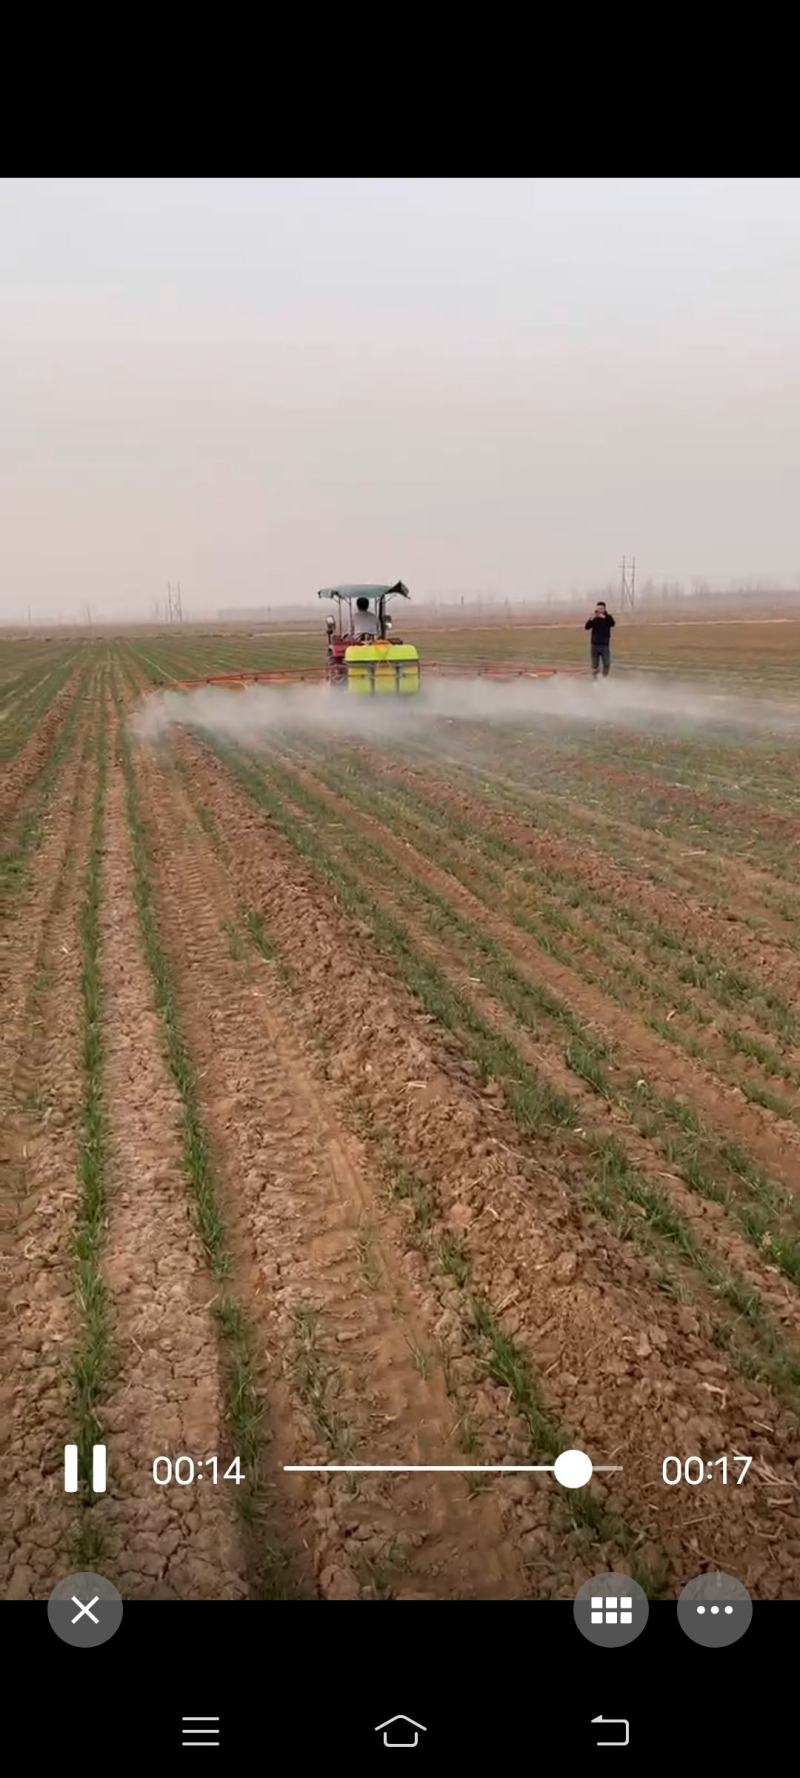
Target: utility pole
[178,605]
[169,603]
[628,585]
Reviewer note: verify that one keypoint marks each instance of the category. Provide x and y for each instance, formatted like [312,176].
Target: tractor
[365,658]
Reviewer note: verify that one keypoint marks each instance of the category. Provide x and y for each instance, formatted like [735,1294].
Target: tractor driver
[365,623]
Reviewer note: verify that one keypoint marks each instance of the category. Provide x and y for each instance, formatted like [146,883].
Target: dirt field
[430,1097]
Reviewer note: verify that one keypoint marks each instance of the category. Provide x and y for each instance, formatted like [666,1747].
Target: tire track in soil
[297,1198]
[774,1142]
[630,1371]
[42,1094]
[164,1542]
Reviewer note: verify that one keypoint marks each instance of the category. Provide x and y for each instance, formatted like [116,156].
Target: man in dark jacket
[601,626]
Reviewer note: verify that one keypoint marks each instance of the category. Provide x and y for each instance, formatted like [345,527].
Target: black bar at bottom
[476,1683]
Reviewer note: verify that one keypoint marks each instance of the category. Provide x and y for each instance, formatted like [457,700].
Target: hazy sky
[259,387]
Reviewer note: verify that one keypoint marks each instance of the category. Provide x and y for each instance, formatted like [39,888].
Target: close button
[85,1609]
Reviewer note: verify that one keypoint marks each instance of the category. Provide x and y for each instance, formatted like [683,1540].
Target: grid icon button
[611,1609]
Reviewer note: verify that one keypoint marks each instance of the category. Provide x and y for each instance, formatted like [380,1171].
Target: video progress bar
[435,1468]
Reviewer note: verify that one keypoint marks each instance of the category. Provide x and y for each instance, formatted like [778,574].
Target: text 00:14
[185,1470]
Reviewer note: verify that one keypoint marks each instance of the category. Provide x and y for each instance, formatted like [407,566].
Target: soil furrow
[39,1204]
[722,883]
[23,939]
[776,1309]
[27,764]
[775,1142]
[159,1542]
[643,972]
[339,1368]
[687,911]
[628,1369]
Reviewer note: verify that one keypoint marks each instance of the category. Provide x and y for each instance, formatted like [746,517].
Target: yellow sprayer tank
[379,669]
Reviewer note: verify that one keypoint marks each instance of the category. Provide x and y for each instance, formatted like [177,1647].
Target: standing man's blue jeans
[601,657]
